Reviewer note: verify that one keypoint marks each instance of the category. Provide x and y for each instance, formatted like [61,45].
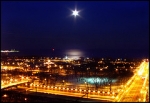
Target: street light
[139,99]
[4,95]
[63,82]
[87,88]
[103,92]
[36,88]
[25,99]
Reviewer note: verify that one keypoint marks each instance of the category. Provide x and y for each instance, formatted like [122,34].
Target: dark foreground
[22,96]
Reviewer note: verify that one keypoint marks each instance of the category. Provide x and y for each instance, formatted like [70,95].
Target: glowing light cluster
[74,53]
[93,80]
[141,72]
[5,51]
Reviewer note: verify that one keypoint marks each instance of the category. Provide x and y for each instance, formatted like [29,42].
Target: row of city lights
[14,80]
[72,89]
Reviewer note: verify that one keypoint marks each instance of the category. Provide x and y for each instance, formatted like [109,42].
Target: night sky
[102,29]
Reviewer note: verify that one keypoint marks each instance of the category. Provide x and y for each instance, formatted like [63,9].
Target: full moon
[75,13]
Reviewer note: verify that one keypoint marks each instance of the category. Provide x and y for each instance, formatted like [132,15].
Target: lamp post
[63,82]
[110,84]
[36,88]
[87,89]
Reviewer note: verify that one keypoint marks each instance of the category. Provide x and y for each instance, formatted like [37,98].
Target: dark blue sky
[103,28]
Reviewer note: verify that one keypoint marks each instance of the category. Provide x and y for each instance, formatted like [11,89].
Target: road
[72,94]
[136,88]
[12,84]
[14,81]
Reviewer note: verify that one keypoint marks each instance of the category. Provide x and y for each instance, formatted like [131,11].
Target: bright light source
[75,13]
[74,53]
[4,95]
